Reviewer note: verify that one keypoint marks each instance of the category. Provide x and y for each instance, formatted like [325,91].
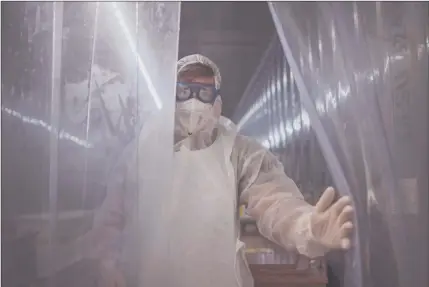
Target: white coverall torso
[204,227]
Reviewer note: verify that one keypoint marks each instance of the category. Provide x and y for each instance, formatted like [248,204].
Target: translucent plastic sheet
[271,112]
[362,72]
[88,90]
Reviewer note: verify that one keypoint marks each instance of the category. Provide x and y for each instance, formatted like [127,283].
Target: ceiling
[233,34]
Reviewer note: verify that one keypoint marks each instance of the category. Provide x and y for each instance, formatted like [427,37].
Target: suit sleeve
[273,199]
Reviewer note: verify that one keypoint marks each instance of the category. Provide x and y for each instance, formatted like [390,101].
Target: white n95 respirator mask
[193,116]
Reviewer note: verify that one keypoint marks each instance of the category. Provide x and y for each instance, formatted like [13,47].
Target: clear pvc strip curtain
[271,111]
[295,40]
[88,107]
[362,72]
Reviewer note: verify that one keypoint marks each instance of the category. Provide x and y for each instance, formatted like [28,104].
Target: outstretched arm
[275,202]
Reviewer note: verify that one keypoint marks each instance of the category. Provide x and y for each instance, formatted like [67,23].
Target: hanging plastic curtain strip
[330,156]
[143,69]
[277,97]
[271,99]
[89,105]
[57,36]
[137,15]
[309,106]
[344,69]
[376,123]
[159,27]
[388,71]
[281,93]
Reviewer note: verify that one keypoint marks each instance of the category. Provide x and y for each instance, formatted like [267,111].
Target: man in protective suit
[214,169]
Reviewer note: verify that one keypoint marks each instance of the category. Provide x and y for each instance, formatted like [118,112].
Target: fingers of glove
[345,233]
[346,215]
[338,206]
[325,200]
[346,243]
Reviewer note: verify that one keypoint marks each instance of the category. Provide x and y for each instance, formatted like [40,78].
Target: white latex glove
[331,224]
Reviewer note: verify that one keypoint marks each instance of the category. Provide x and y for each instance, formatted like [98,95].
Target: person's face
[203,110]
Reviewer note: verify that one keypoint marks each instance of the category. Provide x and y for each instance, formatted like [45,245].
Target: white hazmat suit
[215,169]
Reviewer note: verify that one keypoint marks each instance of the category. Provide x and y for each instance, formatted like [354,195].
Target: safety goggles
[204,93]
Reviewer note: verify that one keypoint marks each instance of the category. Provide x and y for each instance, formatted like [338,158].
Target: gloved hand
[331,223]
